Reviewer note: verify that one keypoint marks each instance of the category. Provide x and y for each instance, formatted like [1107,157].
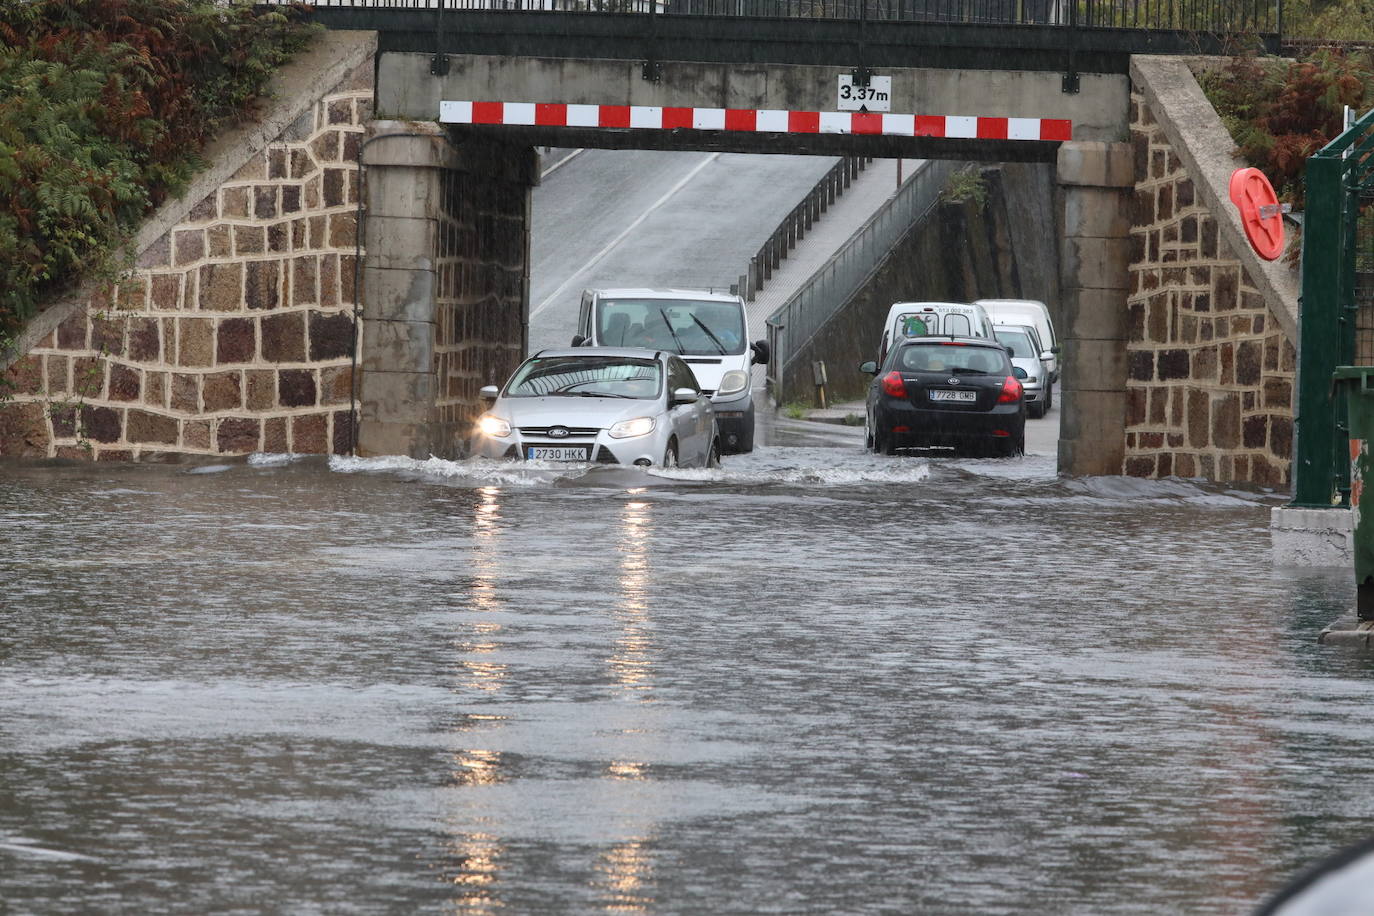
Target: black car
[959,392]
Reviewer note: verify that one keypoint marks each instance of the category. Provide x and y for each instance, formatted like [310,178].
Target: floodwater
[812,681]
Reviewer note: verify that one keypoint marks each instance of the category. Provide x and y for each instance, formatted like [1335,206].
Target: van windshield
[691,327]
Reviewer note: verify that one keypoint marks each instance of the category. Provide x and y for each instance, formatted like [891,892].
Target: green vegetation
[966,184]
[104,106]
[795,410]
[1280,112]
[1339,20]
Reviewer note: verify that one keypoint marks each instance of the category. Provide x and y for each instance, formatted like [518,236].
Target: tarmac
[1042,436]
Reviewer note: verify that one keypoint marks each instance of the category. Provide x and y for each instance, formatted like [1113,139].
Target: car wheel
[1009,448]
[746,441]
[670,455]
[1049,396]
[868,433]
[1037,410]
[882,442]
[713,456]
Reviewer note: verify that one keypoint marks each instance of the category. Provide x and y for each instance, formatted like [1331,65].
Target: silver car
[604,405]
[1028,355]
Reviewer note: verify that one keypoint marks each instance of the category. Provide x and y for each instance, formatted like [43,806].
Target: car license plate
[939,394]
[555,453]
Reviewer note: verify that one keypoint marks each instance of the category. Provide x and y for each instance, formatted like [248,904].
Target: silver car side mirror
[684,396]
[488,392]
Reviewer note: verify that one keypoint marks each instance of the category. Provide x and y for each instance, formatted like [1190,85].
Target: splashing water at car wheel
[670,455]
[713,456]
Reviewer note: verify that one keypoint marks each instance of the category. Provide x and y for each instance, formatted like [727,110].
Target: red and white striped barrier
[754,120]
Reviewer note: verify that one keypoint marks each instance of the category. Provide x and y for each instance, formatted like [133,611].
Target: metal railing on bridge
[800,317]
[797,223]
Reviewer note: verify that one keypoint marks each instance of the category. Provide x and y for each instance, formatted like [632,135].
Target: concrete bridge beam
[1095,181]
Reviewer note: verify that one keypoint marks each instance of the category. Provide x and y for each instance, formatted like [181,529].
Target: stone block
[184,392]
[310,434]
[262,285]
[400,192]
[398,242]
[1095,212]
[397,346]
[261,389]
[26,376]
[1100,314]
[195,434]
[236,341]
[221,287]
[195,341]
[336,385]
[1091,439]
[250,240]
[145,340]
[1311,537]
[222,391]
[1095,263]
[1095,164]
[397,397]
[331,335]
[305,280]
[166,292]
[24,430]
[102,424]
[283,338]
[342,439]
[274,435]
[398,295]
[1094,365]
[144,427]
[378,438]
[297,388]
[126,383]
[238,435]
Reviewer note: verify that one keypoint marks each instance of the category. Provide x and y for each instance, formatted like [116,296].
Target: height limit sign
[876,96]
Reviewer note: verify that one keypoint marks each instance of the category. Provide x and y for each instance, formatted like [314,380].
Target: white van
[709,330]
[1031,312]
[926,319]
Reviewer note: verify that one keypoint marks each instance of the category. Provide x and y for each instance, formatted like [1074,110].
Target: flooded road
[814,680]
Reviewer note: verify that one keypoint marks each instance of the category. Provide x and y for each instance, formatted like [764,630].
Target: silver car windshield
[1019,341]
[691,327]
[587,376]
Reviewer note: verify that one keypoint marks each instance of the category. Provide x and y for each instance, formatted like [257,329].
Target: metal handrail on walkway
[800,317]
[797,223]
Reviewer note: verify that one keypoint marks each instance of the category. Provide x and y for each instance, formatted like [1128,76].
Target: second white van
[929,319]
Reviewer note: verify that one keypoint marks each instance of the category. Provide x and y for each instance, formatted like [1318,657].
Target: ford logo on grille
[953,381]
[558,432]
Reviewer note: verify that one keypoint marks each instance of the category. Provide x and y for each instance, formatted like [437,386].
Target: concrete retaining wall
[961,252]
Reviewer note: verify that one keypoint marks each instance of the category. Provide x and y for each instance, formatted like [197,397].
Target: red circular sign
[1254,196]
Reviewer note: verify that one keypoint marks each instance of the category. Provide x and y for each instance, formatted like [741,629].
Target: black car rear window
[924,357]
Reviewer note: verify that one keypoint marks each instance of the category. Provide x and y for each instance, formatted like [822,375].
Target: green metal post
[1358,382]
[1320,471]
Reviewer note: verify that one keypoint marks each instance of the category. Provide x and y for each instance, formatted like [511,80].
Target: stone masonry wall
[480,301]
[1210,373]
[235,332]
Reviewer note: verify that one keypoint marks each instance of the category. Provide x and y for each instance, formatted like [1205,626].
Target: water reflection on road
[812,680]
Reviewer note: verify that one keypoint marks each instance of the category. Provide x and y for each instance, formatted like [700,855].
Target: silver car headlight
[1032,379]
[733,381]
[493,426]
[628,429]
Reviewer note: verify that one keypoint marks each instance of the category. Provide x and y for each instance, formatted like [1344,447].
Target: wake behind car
[946,391]
[603,405]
